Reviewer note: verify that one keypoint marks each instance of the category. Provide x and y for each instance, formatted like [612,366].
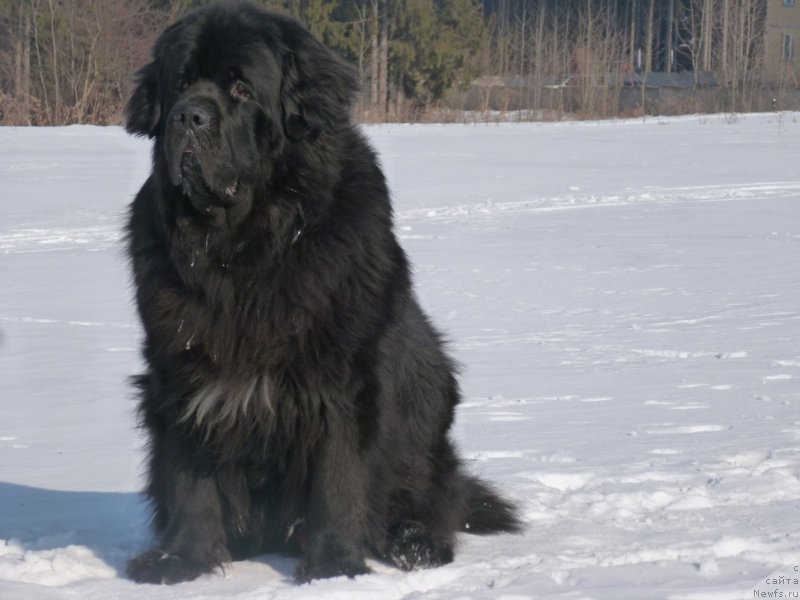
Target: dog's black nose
[193,117]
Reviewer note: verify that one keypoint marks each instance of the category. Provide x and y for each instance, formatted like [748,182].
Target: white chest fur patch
[224,404]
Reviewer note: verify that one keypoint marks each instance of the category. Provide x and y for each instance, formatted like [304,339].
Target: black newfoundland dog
[296,397]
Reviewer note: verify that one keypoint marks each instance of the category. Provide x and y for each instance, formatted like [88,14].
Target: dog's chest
[228,405]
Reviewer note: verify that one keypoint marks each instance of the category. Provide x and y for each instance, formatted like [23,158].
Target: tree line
[607,47]
[71,61]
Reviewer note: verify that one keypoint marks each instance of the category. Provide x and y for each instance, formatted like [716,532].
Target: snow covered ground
[623,297]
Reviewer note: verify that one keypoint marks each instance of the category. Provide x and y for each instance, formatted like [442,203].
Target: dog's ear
[143,110]
[318,88]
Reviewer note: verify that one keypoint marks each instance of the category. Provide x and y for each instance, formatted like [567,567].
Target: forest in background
[71,61]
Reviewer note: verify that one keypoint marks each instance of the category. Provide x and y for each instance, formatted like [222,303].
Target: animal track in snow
[565,482]
[40,321]
[687,429]
[709,193]
[492,455]
[507,416]
[780,377]
[788,363]
[684,354]
[44,240]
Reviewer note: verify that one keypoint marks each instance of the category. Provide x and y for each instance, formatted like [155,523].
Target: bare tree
[73,59]
[383,60]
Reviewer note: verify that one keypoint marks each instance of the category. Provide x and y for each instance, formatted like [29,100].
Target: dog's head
[230,89]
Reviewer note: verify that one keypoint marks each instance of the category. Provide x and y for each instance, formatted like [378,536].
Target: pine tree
[435,45]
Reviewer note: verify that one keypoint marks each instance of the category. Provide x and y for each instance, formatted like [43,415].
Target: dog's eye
[239,90]
[184,85]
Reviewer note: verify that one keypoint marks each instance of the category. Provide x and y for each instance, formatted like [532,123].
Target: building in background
[782,41]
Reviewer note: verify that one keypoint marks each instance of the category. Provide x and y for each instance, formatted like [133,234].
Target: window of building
[788,2]
[788,47]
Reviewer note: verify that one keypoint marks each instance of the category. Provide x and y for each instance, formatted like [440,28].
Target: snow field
[622,297]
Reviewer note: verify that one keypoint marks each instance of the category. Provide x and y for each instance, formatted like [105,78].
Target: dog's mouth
[185,165]
[187,172]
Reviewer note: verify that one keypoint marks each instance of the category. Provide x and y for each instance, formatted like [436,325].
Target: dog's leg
[188,518]
[334,539]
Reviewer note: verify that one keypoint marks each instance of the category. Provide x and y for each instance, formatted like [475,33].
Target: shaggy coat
[296,397]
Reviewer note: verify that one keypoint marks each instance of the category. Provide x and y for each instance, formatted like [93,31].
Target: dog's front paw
[158,566]
[328,555]
[411,546]
[308,569]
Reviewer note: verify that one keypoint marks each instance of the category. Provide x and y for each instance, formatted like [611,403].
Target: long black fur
[296,397]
